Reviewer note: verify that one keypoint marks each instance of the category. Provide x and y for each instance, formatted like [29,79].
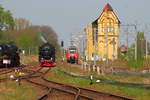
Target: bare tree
[22,23]
[48,34]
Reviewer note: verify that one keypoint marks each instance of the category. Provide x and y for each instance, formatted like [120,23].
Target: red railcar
[72,54]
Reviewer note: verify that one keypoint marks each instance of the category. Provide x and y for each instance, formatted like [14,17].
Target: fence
[103,69]
[29,50]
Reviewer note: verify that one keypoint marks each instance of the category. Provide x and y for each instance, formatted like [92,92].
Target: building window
[103,29]
[110,29]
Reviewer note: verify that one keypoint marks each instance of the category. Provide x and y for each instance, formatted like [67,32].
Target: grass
[139,63]
[137,93]
[135,63]
[2,76]
[57,75]
[12,91]
[32,59]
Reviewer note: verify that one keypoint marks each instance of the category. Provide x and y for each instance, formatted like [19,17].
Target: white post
[98,70]
[85,66]
[89,69]
[93,67]
[82,66]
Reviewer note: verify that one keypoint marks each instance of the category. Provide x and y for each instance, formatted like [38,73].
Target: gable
[108,14]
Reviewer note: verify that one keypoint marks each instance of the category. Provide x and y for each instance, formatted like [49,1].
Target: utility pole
[146,48]
[83,48]
[113,42]
[71,39]
[146,42]
[113,48]
[127,38]
[135,42]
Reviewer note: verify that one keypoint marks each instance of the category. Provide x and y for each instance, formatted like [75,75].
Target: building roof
[107,7]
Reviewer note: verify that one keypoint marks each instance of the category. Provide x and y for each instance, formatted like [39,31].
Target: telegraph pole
[83,48]
[113,48]
[146,42]
[135,47]
[113,43]
[146,48]
[135,42]
[127,38]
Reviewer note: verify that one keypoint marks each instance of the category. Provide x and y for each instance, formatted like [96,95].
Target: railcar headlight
[6,61]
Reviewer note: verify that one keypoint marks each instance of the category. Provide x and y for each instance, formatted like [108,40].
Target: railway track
[55,90]
[60,91]
[11,69]
[84,94]
[4,72]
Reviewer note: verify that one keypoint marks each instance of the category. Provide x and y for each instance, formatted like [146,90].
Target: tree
[48,33]
[6,20]
[141,47]
[22,23]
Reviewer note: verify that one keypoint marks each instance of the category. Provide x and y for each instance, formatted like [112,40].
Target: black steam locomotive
[9,55]
[47,55]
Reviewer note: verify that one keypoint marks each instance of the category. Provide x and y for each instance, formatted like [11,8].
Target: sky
[68,17]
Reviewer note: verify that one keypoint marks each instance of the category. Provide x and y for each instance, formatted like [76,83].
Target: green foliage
[23,38]
[24,35]
[135,63]
[128,56]
[141,48]
[27,39]
[140,45]
[6,20]
[140,36]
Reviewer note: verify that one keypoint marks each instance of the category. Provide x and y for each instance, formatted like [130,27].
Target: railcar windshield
[72,51]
